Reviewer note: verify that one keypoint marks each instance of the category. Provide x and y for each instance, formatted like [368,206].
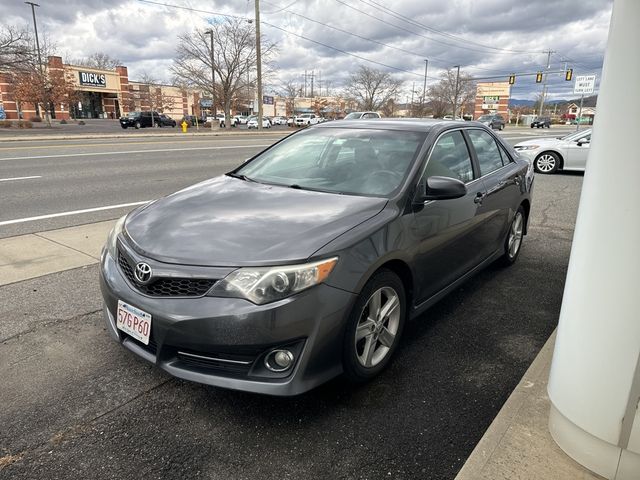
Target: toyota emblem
[143,272]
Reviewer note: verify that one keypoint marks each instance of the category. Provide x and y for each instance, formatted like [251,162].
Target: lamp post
[213,81]
[35,28]
[455,93]
[424,88]
[259,64]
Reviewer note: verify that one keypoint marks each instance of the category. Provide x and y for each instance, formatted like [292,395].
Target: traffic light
[539,77]
[512,79]
[568,75]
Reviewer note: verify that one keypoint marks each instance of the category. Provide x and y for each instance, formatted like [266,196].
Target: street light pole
[455,93]
[259,64]
[35,28]
[213,81]
[424,88]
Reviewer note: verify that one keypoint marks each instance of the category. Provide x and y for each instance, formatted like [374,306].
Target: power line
[419,34]
[399,16]
[285,31]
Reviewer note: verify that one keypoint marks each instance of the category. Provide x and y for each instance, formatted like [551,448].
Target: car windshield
[337,160]
[353,115]
[485,117]
[576,135]
[133,114]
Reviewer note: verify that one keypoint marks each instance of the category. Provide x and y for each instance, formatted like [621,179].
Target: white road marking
[73,212]
[128,152]
[19,178]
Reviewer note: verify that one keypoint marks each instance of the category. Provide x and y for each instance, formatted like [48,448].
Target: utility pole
[413,89]
[544,83]
[213,81]
[424,88]
[35,28]
[305,84]
[259,64]
[312,75]
[455,93]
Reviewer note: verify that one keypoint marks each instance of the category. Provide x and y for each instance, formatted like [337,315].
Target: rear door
[447,233]
[502,179]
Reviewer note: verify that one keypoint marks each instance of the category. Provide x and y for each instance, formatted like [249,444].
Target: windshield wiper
[240,176]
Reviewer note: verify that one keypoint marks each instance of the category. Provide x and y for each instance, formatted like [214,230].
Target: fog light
[279,360]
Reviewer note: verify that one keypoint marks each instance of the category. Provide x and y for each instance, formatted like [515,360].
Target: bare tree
[289,90]
[158,100]
[15,47]
[371,88]
[100,60]
[234,58]
[444,94]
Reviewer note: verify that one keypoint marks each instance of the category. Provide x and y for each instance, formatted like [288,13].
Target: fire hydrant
[184,125]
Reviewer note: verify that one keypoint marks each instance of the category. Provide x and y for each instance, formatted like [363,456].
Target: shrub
[25,124]
[206,124]
[35,119]
[6,123]
[81,122]
[63,122]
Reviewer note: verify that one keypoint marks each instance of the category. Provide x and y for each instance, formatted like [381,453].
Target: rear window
[487,151]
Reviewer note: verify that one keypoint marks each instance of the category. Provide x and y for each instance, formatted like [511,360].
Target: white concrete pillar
[594,386]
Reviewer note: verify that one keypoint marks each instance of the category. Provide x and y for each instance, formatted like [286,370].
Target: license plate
[134,322]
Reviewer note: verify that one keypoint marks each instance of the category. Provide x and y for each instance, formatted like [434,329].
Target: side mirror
[582,141]
[443,188]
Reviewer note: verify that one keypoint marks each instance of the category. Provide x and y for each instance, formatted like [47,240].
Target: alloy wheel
[515,235]
[377,327]
[546,163]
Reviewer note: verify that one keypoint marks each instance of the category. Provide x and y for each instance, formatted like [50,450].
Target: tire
[501,127]
[366,357]
[124,127]
[547,163]
[137,125]
[513,242]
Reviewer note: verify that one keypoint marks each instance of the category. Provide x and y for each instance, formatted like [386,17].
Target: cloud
[481,36]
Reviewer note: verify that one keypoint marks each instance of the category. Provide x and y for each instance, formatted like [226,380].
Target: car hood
[541,141]
[230,222]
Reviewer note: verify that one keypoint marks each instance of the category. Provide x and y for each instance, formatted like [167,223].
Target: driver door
[447,233]
[576,157]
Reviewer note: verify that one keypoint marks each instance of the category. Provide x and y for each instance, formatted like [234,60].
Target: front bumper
[223,341]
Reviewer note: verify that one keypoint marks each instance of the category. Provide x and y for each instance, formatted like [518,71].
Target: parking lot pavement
[77,405]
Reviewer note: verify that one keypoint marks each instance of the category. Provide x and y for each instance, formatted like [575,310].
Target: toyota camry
[306,261]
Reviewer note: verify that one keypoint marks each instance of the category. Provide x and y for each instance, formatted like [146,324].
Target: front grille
[166,286]
[152,347]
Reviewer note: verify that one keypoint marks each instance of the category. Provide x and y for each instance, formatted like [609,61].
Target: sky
[485,37]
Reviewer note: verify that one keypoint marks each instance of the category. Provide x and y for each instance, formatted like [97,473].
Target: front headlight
[113,237]
[526,147]
[267,284]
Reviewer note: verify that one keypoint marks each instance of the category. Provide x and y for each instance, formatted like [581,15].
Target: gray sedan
[548,155]
[305,261]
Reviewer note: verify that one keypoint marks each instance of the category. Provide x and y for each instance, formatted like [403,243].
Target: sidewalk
[83,136]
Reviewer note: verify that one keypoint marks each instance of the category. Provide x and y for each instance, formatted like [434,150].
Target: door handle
[516,180]
[479,197]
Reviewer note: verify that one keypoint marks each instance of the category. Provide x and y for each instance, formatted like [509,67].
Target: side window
[506,158]
[486,149]
[450,158]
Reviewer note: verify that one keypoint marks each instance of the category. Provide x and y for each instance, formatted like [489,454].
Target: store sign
[490,106]
[93,79]
[498,89]
[267,100]
[206,103]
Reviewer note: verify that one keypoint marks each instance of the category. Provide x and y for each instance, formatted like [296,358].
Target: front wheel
[547,162]
[374,327]
[137,125]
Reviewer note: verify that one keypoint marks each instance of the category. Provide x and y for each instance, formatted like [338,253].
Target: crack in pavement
[3,341]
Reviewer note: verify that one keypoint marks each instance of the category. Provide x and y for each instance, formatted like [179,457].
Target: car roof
[408,124]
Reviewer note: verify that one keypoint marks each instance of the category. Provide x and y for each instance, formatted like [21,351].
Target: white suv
[306,119]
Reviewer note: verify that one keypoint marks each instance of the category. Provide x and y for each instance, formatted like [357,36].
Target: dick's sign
[93,79]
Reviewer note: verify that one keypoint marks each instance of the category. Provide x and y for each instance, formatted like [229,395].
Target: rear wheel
[137,125]
[374,328]
[547,162]
[513,243]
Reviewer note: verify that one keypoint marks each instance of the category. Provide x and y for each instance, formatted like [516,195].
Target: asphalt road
[77,405]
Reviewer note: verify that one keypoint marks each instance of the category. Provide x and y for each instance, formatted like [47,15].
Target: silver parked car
[548,155]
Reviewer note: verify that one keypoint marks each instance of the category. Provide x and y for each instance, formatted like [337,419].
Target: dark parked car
[494,121]
[143,119]
[541,122]
[306,261]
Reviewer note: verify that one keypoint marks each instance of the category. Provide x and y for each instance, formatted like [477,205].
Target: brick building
[492,97]
[104,94]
